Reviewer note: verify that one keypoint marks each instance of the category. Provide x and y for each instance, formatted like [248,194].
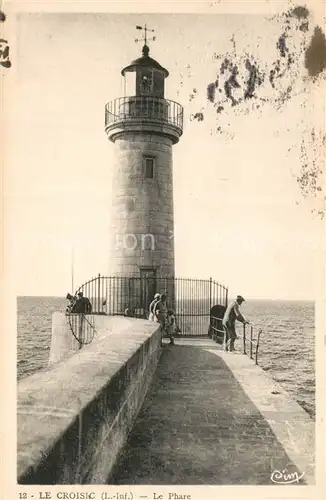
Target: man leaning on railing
[232,314]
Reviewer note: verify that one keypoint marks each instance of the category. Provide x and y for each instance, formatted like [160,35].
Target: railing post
[211,321]
[251,328]
[244,339]
[210,294]
[98,292]
[257,346]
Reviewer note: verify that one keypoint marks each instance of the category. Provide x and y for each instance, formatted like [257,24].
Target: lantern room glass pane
[130,84]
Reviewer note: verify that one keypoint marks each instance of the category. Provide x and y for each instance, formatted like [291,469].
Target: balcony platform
[143,114]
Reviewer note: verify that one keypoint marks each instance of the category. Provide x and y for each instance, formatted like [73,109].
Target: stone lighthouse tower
[143,125]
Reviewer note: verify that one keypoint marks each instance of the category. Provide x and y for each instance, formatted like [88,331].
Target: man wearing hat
[232,314]
[151,316]
[82,304]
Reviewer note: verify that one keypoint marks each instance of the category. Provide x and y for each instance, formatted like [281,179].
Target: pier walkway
[212,417]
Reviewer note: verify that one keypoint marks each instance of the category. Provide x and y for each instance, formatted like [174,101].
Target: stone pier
[125,410]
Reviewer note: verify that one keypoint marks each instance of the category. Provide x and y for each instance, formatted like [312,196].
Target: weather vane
[145,39]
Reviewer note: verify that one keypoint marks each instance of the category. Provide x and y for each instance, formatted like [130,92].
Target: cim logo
[286,477]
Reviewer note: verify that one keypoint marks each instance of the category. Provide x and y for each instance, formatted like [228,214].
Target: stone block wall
[75,416]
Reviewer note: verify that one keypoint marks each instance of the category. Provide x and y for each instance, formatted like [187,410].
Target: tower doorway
[148,286]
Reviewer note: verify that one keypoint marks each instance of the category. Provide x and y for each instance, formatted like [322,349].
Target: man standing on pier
[160,313]
[232,314]
[160,310]
[152,305]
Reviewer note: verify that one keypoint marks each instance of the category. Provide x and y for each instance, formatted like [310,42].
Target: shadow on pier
[198,426]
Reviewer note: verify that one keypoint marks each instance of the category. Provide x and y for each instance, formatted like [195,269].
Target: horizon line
[246,300]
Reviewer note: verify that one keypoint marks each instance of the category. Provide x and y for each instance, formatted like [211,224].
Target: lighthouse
[144,126]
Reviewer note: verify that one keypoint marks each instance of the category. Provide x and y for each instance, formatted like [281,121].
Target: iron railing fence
[144,107]
[251,335]
[199,306]
[191,299]
[82,327]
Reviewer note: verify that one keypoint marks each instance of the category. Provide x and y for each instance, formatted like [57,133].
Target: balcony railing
[144,107]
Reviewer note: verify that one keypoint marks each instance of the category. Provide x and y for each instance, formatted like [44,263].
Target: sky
[235,196]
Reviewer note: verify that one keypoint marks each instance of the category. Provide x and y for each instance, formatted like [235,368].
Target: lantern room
[143,105]
[144,77]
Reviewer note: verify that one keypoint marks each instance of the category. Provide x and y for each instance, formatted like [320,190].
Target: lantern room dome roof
[144,62]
